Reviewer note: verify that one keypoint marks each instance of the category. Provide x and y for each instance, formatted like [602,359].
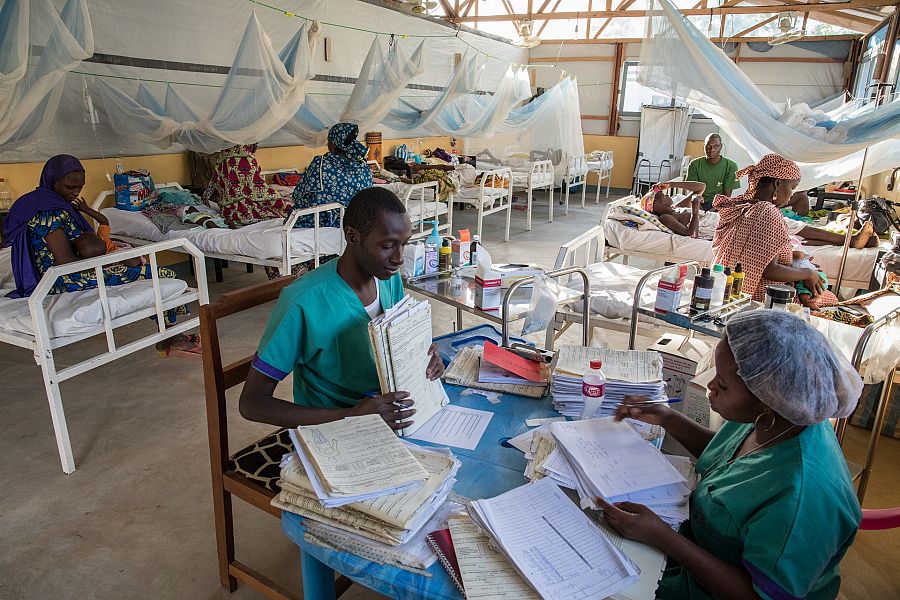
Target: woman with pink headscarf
[752,231]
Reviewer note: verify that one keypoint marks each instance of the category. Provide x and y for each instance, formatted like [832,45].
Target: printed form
[634,366]
[359,455]
[455,426]
[553,544]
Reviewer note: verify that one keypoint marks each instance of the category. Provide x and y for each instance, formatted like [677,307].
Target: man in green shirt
[319,328]
[716,171]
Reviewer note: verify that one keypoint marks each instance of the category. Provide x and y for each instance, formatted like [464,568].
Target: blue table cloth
[492,468]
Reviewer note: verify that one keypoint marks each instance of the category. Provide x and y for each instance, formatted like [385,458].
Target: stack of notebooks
[400,340]
[357,476]
[627,372]
[609,459]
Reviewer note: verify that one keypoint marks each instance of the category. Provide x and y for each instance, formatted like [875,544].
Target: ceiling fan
[526,38]
[417,6]
[789,32]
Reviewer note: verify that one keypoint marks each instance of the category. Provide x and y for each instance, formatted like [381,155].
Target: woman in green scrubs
[774,511]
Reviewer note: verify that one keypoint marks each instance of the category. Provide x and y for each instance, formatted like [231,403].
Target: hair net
[791,367]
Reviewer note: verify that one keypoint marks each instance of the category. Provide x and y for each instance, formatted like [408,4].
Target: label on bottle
[592,391]
[703,293]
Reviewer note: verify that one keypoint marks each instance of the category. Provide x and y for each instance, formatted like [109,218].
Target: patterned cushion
[261,460]
[647,216]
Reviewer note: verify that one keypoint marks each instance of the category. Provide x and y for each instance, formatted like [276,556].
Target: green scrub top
[319,329]
[719,178]
[787,514]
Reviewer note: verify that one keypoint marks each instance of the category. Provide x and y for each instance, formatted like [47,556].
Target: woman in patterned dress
[240,190]
[41,228]
[335,176]
[752,231]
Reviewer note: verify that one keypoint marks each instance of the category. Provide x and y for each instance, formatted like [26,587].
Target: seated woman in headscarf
[752,231]
[42,228]
[241,191]
[336,176]
[774,511]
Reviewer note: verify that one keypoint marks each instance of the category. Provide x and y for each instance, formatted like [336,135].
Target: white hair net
[791,367]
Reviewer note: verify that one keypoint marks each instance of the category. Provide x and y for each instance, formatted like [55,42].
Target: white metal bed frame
[542,169]
[575,174]
[284,263]
[42,345]
[611,252]
[602,173]
[498,202]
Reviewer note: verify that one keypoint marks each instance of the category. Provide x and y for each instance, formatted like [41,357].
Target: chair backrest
[219,378]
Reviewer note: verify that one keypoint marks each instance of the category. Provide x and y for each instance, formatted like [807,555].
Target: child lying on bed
[90,244]
[681,221]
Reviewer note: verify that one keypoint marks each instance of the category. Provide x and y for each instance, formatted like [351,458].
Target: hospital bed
[45,322]
[271,243]
[602,167]
[527,173]
[658,246]
[492,195]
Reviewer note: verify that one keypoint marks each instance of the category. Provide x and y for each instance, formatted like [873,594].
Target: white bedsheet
[260,240]
[612,289]
[600,165]
[472,193]
[400,188]
[77,313]
[677,248]
[520,179]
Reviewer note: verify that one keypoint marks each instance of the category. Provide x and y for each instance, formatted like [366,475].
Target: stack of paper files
[553,545]
[628,372]
[356,475]
[611,460]
[400,340]
[464,371]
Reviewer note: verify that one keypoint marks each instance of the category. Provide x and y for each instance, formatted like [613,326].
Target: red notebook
[442,544]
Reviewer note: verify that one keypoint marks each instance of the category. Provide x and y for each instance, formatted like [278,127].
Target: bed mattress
[471,194]
[677,248]
[401,189]
[520,179]
[600,165]
[612,289]
[260,240]
[80,313]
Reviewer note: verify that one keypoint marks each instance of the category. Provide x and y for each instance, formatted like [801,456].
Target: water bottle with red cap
[593,387]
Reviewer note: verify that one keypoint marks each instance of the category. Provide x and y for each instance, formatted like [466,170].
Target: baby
[801,260]
[90,244]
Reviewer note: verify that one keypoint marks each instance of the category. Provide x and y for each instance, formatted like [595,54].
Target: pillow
[636,211]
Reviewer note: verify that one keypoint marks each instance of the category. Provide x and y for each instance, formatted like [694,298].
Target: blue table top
[492,468]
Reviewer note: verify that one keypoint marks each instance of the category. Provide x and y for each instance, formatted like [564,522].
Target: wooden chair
[226,481]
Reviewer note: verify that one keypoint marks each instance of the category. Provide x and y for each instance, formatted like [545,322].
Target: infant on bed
[91,245]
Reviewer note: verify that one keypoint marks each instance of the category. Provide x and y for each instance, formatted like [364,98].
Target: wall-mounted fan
[788,30]
[526,38]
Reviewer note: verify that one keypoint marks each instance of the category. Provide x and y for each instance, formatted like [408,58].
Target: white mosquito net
[679,60]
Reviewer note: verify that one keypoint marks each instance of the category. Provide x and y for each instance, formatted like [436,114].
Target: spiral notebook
[442,544]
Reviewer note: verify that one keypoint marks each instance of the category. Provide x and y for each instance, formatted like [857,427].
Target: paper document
[486,573]
[463,371]
[488,373]
[357,455]
[634,366]
[455,426]
[554,546]
[512,362]
[612,458]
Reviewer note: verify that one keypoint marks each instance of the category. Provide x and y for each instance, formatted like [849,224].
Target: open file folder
[400,340]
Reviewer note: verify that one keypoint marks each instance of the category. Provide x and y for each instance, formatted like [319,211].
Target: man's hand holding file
[435,368]
[393,408]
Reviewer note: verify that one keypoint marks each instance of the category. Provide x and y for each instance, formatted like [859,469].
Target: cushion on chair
[261,460]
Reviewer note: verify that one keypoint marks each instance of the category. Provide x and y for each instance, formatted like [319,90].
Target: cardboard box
[695,403]
[488,293]
[683,359]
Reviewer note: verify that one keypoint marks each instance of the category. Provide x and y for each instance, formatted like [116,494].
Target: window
[874,46]
[633,95]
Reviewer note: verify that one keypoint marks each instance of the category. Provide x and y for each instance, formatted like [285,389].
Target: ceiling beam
[802,7]
[854,22]
[625,4]
[544,24]
[448,10]
[468,7]
[717,40]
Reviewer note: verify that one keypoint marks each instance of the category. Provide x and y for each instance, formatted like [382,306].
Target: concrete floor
[135,520]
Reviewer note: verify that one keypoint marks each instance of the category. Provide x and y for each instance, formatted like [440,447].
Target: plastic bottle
[593,390]
[703,287]
[738,284]
[432,244]
[473,249]
[6,195]
[729,282]
[719,279]
[444,256]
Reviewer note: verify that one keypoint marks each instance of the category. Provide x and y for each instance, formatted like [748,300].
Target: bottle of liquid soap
[444,257]
[703,286]
[432,245]
[719,281]
[729,282]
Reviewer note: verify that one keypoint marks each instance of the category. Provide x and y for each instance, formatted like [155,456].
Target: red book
[442,544]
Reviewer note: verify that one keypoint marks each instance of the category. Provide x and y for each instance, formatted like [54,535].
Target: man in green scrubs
[319,327]
[716,171]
